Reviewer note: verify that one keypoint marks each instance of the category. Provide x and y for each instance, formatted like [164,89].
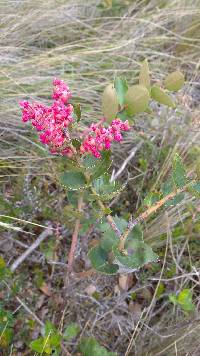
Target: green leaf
[6,337]
[173,298]
[100,260]
[77,111]
[105,189]
[136,99]
[110,103]
[90,347]
[98,256]
[76,143]
[136,234]
[73,180]
[121,88]
[185,300]
[109,239]
[102,165]
[167,188]
[2,263]
[72,197]
[138,254]
[55,340]
[174,81]
[151,198]
[161,97]
[49,328]
[120,223]
[4,271]
[160,290]
[50,342]
[144,78]
[123,116]
[109,268]
[6,318]
[194,189]
[178,172]
[176,200]
[39,346]
[90,162]
[71,331]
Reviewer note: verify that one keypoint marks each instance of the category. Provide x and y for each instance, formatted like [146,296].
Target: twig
[146,214]
[74,238]
[36,243]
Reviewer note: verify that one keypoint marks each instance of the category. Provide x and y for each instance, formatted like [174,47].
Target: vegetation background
[87,43]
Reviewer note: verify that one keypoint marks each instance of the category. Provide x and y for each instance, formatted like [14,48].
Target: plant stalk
[74,238]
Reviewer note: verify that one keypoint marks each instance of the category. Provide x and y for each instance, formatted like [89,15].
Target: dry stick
[74,238]
[145,215]
[36,243]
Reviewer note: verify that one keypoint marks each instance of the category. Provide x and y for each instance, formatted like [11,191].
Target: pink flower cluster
[53,124]
[52,121]
[100,137]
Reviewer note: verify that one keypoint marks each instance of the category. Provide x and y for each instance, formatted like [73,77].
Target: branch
[36,243]
[146,214]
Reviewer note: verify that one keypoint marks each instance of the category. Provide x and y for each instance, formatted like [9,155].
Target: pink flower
[52,121]
[28,112]
[61,91]
[100,138]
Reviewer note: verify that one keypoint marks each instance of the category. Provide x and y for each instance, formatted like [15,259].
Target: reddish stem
[74,238]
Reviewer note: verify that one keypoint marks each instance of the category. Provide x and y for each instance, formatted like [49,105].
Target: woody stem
[74,238]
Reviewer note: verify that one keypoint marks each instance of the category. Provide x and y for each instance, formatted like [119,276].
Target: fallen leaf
[45,289]
[126,281]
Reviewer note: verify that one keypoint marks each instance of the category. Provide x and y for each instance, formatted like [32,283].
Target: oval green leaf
[121,89]
[178,172]
[138,255]
[73,180]
[174,81]
[99,260]
[136,99]
[161,97]
[110,103]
